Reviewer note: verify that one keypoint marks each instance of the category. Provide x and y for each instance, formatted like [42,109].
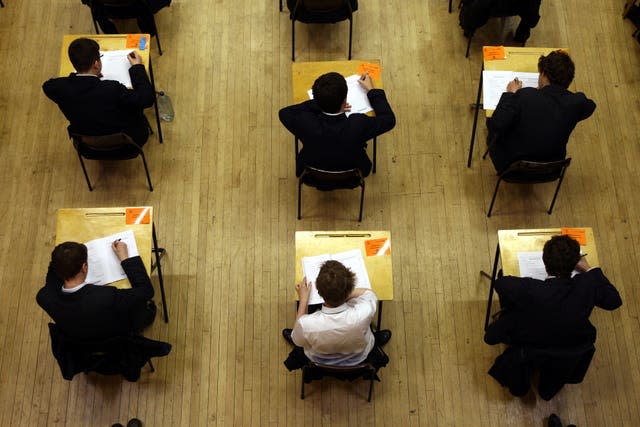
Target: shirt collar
[334,310]
[332,114]
[74,289]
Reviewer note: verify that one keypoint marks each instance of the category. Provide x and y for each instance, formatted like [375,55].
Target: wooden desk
[510,242]
[85,224]
[310,243]
[524,59]
[304,74]
[110,42]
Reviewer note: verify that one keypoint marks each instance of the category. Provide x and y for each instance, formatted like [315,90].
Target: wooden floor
[224,202]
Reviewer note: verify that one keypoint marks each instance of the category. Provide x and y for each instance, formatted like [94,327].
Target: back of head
[558,67]
[560,256]
[330,91]
[335,283]
[83,53]
[68,258]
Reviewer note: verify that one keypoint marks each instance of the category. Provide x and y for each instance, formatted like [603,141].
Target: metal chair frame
[333,179]
[332,370]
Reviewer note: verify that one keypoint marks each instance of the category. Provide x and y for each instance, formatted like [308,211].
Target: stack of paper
[104,265]
[494,84]
[115,66]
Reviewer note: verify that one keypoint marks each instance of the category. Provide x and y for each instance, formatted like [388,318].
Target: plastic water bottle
[164,107]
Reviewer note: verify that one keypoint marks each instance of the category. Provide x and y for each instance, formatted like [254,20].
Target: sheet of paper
[352,259]
[104,265]
[115,66]
[494,84]
[531,265]
[356,96]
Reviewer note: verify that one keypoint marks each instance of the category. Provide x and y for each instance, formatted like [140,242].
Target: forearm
[138,277]
[303,308]
[143,94]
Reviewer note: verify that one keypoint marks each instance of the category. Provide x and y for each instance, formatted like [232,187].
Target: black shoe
[554,421]
[286,333]
[382,337]
[134,422]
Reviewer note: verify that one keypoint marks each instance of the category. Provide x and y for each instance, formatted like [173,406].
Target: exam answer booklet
[494,84]
[532,265]
[352,259]
[115,66]
[356,96]
[104,265]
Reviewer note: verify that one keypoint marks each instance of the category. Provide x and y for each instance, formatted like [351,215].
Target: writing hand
[134,58]
[514,85]
[120,249]
[304,290]
[582,265]
[365,82]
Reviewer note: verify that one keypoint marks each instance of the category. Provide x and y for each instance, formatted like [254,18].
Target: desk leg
[159,252]
[379,325]
[475,118]
[155,101]
[493,279]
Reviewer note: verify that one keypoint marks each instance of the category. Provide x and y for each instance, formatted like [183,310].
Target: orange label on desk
[138,215]
[578,234]
[378,247]
[373,70]
[133,41]
[491,53]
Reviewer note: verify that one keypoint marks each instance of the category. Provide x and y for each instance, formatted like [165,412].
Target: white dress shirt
[339,335]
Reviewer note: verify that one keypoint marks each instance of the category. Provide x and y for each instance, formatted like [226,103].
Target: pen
[364,76]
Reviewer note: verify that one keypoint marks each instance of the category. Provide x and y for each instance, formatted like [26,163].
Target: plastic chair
[117,146]
[315,370]
[330,180]
[141,10]
[526,172]
[320,12]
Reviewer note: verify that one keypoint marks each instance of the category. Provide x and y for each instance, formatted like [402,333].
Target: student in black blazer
[330,139]
[102,107]
[87,312]
[535,124]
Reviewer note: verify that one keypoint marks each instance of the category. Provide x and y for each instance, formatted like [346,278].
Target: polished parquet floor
[224,202]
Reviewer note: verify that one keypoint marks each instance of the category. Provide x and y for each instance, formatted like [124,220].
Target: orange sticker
[578,234]
[491,53]
[138,215]
[373,70]
[133,41]
[378,247]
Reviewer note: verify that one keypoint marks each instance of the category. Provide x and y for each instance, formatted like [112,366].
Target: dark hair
[558,67]
[560,256]
[335,283]
[83,53]
[68,258]
[330,91]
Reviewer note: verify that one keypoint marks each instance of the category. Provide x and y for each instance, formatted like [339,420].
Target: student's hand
[582,265]
[120,249]
[134,58]
[365,82]
[304,290]
[514,85]
[346,107]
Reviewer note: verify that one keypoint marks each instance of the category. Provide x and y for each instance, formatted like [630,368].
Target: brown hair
[560,256]
[335,283]
[68,258]
[558,67]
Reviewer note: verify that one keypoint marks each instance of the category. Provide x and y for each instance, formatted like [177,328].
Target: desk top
[303,74]
[106,42]
[310,243]
[513,241]
[84,224]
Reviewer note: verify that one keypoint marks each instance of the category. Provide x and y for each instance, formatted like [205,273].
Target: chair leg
[299,198]
[151,365]
[146,170]
[370,388]
[158,41]
[86,176]
[280,5]
[553,202]
[495,192]
[302,386]
[293,39]
[361,202]
[95,25]
[450,4]
[375,153]
[466,55]
[350,35]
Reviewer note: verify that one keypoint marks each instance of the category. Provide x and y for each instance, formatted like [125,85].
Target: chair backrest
[331,180]
[324,5]
[524,171]
[322,11]
[114,146]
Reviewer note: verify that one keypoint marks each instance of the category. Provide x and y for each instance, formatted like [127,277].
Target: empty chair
[330,180]
[526,172]
[320,12]
[475,13]
[102,11]
[313,371]
[118,146]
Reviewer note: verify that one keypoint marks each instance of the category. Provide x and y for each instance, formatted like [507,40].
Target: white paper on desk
[352,259]
[115,66]
[494,84]
[531,265]
[356,96]
[104,265]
